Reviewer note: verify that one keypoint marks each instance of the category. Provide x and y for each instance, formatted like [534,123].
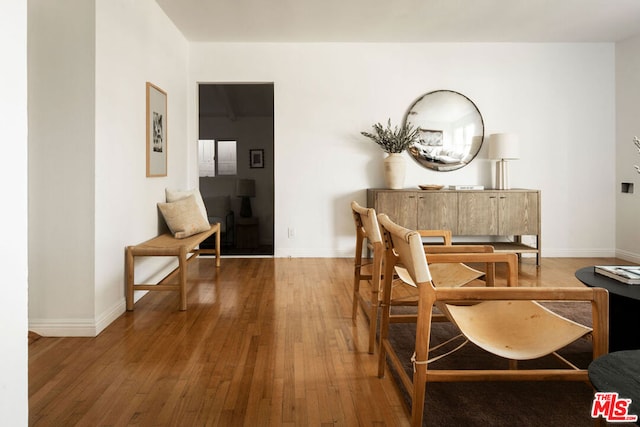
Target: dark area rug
[505,403]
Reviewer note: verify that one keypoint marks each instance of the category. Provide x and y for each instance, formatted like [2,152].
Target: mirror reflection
[451,130]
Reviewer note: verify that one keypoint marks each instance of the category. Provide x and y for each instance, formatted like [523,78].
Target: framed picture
[156,131]
[256,158]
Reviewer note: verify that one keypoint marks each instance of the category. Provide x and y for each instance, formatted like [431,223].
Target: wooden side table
[247,233]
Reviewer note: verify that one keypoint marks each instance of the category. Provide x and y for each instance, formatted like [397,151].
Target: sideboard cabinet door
[400,206]
[518,213]
[478,213]
[438,211]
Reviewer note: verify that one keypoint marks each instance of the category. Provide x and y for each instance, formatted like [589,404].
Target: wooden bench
[167,245]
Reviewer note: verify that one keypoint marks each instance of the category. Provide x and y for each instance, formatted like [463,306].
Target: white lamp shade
[504,146]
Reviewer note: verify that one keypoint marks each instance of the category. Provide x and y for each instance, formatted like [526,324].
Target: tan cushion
[175,195]
[184,217]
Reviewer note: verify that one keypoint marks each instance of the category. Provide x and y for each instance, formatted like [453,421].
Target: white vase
[394,171]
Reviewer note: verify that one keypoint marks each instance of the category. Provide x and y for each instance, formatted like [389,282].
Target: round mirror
[451,130]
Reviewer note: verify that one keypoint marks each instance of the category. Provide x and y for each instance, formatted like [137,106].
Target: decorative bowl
[430,186]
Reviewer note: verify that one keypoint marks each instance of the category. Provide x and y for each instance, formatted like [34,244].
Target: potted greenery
[394,140]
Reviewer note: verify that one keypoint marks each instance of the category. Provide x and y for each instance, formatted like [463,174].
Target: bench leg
[218,246]
[182,266]
[129,271]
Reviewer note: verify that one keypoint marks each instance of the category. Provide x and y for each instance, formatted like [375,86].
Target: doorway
[235,156]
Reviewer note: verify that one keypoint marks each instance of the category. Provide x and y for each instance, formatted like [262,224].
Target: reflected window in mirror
[451,130]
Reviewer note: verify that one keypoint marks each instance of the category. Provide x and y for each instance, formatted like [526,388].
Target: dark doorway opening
[235,155]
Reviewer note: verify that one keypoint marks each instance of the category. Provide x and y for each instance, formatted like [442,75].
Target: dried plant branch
[393,140]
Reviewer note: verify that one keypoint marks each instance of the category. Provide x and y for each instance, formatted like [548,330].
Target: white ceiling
[405,20]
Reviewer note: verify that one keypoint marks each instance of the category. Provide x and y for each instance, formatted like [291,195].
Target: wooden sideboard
[503,215]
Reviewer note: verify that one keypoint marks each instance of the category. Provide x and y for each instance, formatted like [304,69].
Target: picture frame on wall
[156,131]
[256,158]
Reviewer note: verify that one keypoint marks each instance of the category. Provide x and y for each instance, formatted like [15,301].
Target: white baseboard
[546,253]
[578,253]
[628,256]
[313,253]
[110,315]
[77,327]
[63,327]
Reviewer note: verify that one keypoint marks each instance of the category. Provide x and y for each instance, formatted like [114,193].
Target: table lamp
[503,147]
[245,188]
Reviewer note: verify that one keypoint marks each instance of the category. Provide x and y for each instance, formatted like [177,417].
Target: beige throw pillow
[184,217]
[175,195]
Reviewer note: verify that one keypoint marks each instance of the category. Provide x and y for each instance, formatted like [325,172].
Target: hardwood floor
[264,342]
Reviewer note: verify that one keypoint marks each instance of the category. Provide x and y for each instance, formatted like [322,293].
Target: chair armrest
[445,234]
[439,249]
[522,293]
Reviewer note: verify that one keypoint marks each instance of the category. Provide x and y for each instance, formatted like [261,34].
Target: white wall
[13,249]
[89,196]
[558,97]
[135,43]
[61,162]
[627,126]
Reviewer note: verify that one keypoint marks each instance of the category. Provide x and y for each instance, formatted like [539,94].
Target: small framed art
[156,131]
[256,158]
